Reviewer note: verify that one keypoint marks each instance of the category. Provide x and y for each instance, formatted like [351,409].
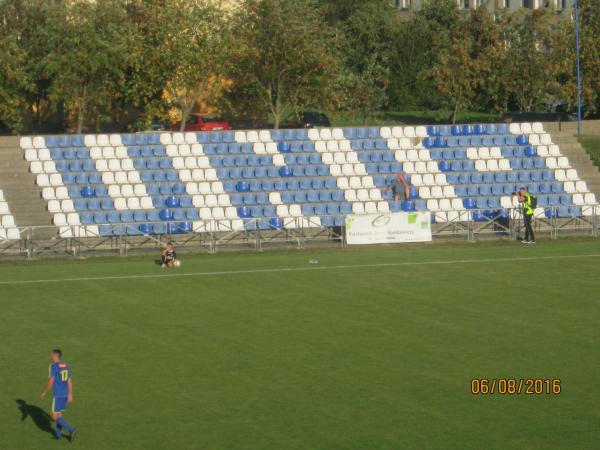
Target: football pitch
[371,348]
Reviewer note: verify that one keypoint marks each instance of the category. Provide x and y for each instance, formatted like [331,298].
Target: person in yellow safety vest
[525,201]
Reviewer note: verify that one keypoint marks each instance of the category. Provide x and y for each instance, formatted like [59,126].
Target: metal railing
[215,235]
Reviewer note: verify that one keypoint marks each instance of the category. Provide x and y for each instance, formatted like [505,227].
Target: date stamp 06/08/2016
[515,386]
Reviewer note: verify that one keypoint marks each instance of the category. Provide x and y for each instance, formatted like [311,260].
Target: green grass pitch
[372,348]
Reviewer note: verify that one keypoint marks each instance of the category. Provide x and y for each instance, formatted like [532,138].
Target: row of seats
[278,135]
[492,165]
[72,155]
[514,176]
[487,141]
[525,151]
[504,188]
[481,129]
[85,178]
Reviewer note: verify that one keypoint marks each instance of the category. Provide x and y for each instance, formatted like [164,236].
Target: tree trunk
[455,113]
[275,107]
[456,103]
[188,106]
[81,110]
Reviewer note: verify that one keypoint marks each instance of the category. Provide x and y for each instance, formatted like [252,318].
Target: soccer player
[62,386]
[168,256]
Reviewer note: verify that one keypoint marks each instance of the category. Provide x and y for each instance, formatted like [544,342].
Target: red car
[199,122]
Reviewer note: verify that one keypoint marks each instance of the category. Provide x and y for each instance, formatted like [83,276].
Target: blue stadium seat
[100,217]
[395,206]
[320,209]
[333,209]
[500,177]
[345,208]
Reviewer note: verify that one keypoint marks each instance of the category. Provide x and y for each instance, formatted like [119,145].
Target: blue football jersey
[61,374]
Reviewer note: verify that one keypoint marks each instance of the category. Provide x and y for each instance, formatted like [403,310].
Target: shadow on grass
[40,418]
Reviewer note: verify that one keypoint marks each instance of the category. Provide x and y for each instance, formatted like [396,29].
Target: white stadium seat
[25,142]
[572,175]
[409,132]
[358,208]
[39,142]
[325,134]
[370,207]
[31,155]
[338,134]
[569,187]
[362,195]
[133,203]
[581,186]
[264,136]
[397,132]
[383,207]
[240,137]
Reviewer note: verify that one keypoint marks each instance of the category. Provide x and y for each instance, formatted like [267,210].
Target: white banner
[388,228]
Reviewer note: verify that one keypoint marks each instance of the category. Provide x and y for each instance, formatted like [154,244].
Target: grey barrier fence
[218,235]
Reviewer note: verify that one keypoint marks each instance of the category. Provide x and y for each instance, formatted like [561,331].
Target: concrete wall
[589,127]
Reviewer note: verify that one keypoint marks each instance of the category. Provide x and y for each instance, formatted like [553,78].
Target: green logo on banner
[381,221]
[412,218]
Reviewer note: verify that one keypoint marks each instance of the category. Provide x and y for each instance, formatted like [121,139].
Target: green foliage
[14,80]
[469,71]
[199,49]
[590,53]
[366,48]
[88,55]
[120,64]
[283,57]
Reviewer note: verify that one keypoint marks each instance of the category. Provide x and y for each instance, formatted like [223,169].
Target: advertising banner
[388,228]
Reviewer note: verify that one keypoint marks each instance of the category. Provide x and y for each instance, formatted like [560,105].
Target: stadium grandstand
[103,185]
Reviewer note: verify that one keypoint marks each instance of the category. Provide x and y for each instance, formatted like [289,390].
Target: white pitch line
[300,269]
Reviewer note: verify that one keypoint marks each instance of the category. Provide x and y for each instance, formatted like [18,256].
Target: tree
[199,50]
[467,71]
[590,52]
[366,49]
[417,46]
[283,58]
[88,57]
[529,49]
[14,80]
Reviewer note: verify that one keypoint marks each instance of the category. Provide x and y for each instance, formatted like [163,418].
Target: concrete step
[579,159]
[23,195]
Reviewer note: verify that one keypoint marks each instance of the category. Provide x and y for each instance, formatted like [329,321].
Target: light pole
[576,5]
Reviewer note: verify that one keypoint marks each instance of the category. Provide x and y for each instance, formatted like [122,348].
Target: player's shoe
[163,266]
[524,242]
[72,435]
